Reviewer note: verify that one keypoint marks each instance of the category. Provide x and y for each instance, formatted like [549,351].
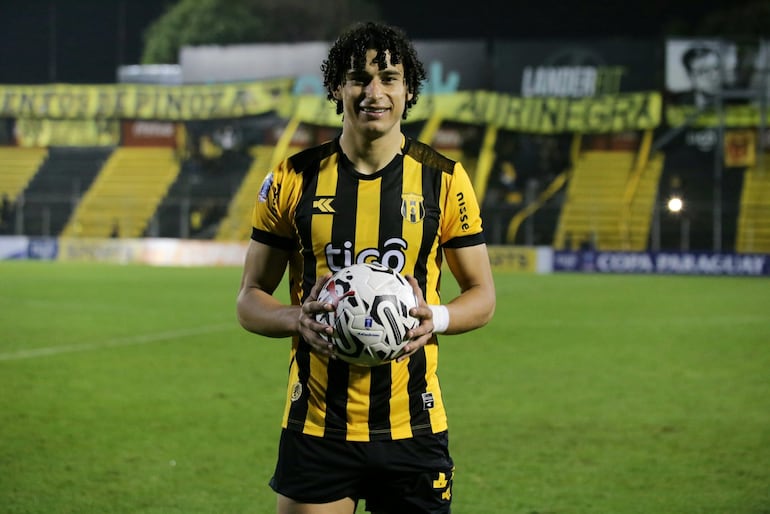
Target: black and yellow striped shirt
[316,205]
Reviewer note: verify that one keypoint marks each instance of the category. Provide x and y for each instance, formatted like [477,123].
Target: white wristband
[440,318]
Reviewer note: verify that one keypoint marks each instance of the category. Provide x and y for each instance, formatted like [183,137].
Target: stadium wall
[517,259]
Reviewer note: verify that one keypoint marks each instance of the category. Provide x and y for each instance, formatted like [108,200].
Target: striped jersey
[328,215]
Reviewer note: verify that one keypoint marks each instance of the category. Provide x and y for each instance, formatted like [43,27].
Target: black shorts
[407,476]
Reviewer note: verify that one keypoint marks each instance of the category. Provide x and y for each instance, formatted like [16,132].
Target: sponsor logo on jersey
[427,401]
[463,210]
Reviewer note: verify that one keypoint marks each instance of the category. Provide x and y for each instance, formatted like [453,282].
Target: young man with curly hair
[355,434]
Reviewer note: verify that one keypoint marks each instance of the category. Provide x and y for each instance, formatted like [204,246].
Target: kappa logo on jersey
[323,205]
[412,207]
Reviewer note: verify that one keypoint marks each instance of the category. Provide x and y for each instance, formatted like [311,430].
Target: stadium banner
[545,115]
[575,68]
[608,113]
[521,259]
[14,247]
[117,251]
[188,252]
[141,101]
[663,263]
[149,133]
[700,71]
[24,248]
[45,132]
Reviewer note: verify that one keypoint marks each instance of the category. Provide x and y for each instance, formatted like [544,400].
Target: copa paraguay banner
[551,115]
[668,263]
[142,101]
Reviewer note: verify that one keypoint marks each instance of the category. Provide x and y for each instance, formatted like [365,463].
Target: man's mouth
[373,110]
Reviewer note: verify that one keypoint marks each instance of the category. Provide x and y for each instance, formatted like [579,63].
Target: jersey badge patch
[296,391]
[265,189]
[427,401]
[413,207]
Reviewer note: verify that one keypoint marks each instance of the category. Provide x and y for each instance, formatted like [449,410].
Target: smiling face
[373,99]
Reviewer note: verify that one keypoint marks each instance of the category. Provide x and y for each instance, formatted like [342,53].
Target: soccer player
[354,433]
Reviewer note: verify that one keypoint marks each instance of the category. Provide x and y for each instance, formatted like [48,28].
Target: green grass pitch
[133,390]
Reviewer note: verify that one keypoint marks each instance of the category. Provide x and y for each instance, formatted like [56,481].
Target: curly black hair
[354,43]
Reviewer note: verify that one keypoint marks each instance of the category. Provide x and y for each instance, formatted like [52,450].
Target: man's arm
[475,305]
[260,312]
[472,308]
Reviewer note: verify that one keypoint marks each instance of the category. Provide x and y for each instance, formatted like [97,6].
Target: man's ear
[336,93]
[409,96]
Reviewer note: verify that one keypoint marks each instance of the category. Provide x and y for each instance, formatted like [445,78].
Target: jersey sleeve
[462,215]
[272,214]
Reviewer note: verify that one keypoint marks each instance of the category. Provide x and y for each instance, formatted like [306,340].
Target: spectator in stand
[6,215]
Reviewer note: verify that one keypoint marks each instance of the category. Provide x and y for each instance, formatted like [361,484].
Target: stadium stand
[198,198]
[754,216]
[19,165]
[62,178]
[609,202]
[126,193]
[236,225]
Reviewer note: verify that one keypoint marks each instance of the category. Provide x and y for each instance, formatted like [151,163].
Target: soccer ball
[371,313]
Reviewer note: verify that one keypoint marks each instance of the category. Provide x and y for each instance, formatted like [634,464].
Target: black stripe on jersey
[416,386]
[307,164]
[429,157]
[298,409]
[431,192]
[391,225]
[343,229]
[310,158]
[463,241]
[272,240]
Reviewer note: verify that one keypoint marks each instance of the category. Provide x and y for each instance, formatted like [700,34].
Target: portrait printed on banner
[698,69]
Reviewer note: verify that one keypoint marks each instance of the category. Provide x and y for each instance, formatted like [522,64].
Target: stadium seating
[197,200]
[126,192]
[19,165]
[236,225]
[598,209]
[754,216]
[52,194]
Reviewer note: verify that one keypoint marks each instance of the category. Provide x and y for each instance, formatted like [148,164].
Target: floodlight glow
[675,204]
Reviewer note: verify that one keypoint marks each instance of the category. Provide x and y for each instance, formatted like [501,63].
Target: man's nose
[374,88]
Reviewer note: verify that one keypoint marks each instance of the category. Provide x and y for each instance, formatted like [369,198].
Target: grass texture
[132,389]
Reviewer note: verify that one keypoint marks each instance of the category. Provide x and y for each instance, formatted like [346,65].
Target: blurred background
[638,127]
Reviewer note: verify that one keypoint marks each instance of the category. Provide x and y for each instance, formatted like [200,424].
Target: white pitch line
[112,343]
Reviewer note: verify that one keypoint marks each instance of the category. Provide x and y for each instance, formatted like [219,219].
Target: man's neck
[371,155]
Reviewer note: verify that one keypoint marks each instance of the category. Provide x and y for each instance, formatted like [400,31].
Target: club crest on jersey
[412,207]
